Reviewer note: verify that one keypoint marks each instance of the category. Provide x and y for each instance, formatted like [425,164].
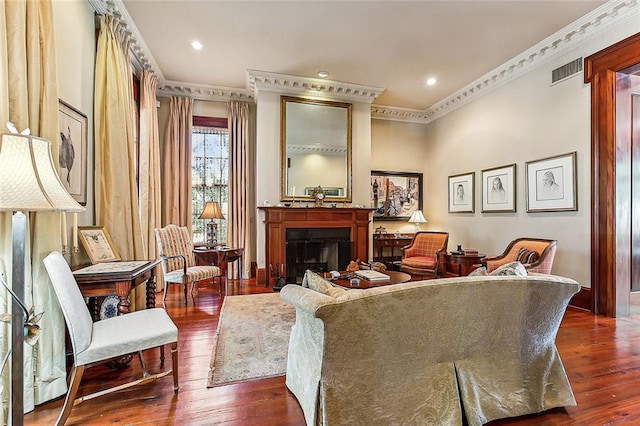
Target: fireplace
[317,249]
[314,223]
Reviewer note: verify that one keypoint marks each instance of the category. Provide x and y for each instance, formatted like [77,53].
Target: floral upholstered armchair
[536,254]
[421,257]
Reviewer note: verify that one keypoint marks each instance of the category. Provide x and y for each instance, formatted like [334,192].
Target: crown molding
[569,38]
[315,149]
[597,22]
[316,87]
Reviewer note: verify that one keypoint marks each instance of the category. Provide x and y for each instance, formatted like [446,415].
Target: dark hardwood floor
[601,356]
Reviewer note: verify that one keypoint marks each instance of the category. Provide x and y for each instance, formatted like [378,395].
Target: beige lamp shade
[29,178]
[417,217]
[211,211]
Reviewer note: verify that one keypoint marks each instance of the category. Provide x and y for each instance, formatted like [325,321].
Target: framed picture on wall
[499,189]
[552,184]
[395,195]
[72,151]
[462,189]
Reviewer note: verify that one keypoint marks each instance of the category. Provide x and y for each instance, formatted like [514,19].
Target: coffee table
[395,277]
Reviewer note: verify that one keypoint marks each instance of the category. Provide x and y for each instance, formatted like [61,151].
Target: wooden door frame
[610,248]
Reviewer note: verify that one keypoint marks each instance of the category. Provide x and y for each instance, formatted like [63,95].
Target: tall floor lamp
[30,183]
[211,211]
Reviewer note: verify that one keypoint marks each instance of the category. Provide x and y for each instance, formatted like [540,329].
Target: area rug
[252,339]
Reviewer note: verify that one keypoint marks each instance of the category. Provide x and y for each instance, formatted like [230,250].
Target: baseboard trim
[582,299]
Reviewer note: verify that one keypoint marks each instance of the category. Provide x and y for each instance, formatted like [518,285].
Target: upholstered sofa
[438,352]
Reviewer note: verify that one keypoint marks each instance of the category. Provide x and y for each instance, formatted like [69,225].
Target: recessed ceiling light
[196,44]
[323,74]
[431,81]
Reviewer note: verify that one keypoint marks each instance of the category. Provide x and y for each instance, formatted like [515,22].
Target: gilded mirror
[316,149]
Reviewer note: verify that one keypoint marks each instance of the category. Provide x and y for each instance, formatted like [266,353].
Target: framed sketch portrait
[96,241]
[461,190]
[551,184]
[499,189]
[395,195]
[72,151]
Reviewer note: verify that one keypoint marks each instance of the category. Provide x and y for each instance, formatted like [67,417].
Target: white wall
[268,158]
[525,120]
[74,27]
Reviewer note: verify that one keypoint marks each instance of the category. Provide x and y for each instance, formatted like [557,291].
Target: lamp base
[212,234]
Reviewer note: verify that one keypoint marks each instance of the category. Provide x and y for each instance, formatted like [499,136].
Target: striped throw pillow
[526,256]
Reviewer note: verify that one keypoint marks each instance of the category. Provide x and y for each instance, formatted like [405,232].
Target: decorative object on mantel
[318,196]
[30,183]
[211,211]
[417,217]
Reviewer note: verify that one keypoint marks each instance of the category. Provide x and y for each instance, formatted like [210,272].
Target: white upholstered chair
[178,261]
[95,343]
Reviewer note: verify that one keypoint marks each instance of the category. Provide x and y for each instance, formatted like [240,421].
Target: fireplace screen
[317,249]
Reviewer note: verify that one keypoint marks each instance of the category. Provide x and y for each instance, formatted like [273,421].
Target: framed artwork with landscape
[395,195]
[462,189]
[552,184]
[499,189]
[72,151]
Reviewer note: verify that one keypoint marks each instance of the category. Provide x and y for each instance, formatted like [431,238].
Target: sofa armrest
[305,299]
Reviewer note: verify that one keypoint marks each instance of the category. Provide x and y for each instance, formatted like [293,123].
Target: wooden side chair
[178,260]
[536,254]
[111,338]
[422,256]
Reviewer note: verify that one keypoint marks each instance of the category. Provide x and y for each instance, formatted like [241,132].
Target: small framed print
[96,241]
[552,184]
[461,193]
[72,155]
[499,189]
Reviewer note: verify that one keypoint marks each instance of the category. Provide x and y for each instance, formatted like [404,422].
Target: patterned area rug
[252,339]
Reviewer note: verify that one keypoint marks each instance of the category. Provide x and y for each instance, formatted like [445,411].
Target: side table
[460,264]
[221,257]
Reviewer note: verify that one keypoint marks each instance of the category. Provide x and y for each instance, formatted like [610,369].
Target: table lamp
[30,183]
[417,217]
[211,211]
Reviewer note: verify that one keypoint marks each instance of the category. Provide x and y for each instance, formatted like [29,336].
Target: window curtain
[116,192]
[239,221]
[29,98]
[149,181]
[176,164]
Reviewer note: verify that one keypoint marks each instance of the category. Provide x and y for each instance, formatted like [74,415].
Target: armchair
[421,256]
[536,254]
[178,261]
[95,343]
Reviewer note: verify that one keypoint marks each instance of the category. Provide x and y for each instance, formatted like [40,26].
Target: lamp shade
[29,178]
[417,217]
[211,211]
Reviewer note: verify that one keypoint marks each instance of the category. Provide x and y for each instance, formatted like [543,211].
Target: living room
[522,119]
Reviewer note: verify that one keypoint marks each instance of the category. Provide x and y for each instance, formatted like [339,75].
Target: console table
[393,242]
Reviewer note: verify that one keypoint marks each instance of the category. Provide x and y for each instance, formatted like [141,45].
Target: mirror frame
[283,149]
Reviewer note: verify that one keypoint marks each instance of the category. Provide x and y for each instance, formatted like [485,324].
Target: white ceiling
[395,45]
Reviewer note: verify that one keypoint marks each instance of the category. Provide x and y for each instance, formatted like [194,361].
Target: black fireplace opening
[318,249]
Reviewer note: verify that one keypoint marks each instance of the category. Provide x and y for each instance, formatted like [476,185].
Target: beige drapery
[239,220]
[29,98]
[149,157]
[116,192]
[176,164]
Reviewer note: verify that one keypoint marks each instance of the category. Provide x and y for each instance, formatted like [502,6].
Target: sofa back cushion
[315,282]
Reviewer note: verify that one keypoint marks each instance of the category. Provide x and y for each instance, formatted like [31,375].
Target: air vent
[566,71]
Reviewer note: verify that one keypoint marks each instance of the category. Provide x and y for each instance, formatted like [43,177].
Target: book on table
[371,275]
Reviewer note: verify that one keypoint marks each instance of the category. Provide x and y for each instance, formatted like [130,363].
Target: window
[209,177]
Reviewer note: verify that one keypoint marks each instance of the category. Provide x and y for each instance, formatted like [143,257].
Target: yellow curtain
[176,165]
[239,220]
[149,184]
[29,98]
[116,192]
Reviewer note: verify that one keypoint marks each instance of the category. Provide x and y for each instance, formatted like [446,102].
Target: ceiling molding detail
[569,38]
[316,149]
[315,87]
